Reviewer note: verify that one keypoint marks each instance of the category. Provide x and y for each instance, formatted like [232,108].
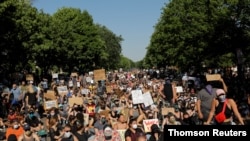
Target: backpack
[221,117]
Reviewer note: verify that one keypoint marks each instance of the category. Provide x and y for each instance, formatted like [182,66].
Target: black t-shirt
[133,136]
[31,98]
[53,133]
[168,91]
[81,137]
[34,121]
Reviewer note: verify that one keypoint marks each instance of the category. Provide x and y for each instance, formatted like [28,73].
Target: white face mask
[52,114]
[67,134]
[16,126]
[134,126]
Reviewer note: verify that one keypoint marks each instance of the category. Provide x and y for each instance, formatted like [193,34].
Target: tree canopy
[191,32]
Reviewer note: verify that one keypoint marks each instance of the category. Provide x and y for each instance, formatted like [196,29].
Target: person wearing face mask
[230,109]
[15,129]
[52,114]
[31,118]
[133,132]
[68,135]
[108,134]
[28,135]
[80,134]
[171,120]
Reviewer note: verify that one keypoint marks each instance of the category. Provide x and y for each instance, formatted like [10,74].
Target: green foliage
[68,40]
[190,32]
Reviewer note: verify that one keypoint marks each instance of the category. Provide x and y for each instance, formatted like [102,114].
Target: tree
[191,32]
[112,47]
[76,40]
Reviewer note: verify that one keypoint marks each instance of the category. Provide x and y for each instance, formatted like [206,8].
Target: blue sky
[134,20]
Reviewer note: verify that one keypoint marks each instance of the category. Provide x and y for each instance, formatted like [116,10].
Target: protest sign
[137,96]
[213,77]
[62,90]
[99,75]
[148,123]
[147,99]
[55,75]
[179,89]
[50,104]
[50,95]
[29,77]
[75,100]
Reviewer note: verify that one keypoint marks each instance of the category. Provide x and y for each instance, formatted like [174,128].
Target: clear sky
[134,20]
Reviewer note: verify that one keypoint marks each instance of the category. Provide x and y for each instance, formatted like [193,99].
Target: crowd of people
[127,106]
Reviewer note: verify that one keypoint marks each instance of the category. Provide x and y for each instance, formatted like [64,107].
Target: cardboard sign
[50,95]
[29,77]
[148,123]
[105,112]
[75,100]
[50,104]
[137,96]
[99,75]
[213,77]
[109,89]
[165,111]
[62,90]
[122,134]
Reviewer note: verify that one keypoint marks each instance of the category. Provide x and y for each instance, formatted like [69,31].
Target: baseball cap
[107,131]
[220,92]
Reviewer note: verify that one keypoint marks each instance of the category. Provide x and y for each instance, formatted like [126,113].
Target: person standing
[204,99]
[15,94]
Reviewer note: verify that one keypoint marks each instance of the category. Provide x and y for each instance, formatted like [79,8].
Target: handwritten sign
[179,89]
[213,77]
[55,75]
[50,95]
[50,104]
[122,134]
[137,96]
[147,99]
[148,123]
[62,90]
[99,75]
[75,100]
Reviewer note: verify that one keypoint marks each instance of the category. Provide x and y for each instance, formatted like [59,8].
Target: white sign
[50,104]
[70,83]
[147,99]
[179,89]
[137,96]
[55,75]
[62,89]
[78,84]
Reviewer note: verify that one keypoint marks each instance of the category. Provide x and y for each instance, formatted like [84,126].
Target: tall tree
[112,47]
